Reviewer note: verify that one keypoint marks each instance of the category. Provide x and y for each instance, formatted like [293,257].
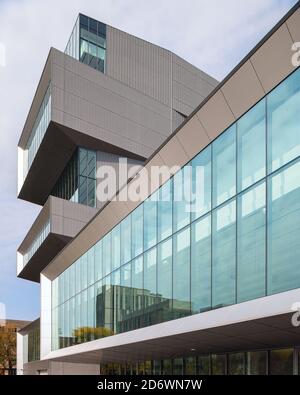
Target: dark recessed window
[77,182]
[92,43]
[236,364]
[93,26]
[218,364]
[257,363]
[281,362]
[84,22]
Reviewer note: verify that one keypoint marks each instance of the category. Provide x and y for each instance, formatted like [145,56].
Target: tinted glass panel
[181,274]
[137,293]
[150,286]
[83,263]
[116,245]
[251,244]
[164,280]
[150,222]
[201,265]
[224,166]
[72,280]
[283,114]
[98,261]
[201,183]
[39,129]
[91,313]
[126,299]
[137,231]
[224,256]
[91,266]
[117,294]
[252,144]
[106,254]
[165,216]
[126,239]
[283,230]
[181,198]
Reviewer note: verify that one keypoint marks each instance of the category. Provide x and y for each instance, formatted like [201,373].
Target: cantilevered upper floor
[72,203]
[110,92]
[58,222]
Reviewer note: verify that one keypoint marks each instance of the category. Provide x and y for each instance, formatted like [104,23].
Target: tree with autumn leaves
[89,333]
[8,350]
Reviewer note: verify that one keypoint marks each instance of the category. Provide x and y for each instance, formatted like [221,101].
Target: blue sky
[213,35]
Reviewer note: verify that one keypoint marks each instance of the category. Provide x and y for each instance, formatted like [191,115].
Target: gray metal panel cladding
[96,104]
[140,65]
[177,119]
[156,72]
[191,73]
[190,85]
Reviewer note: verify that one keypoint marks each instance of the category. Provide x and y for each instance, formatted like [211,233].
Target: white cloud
[214,35]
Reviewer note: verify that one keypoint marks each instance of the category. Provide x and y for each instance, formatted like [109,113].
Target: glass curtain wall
[266,362]
[72,48]
[87,42]
[237,238]
[37,243]
[34,345]
[77,182]
[39,129]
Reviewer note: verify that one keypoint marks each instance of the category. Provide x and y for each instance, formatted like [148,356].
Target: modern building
[200,277]
[110,96]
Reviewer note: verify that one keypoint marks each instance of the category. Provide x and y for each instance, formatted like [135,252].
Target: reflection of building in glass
[120,309]
[123,308]
[165,285]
